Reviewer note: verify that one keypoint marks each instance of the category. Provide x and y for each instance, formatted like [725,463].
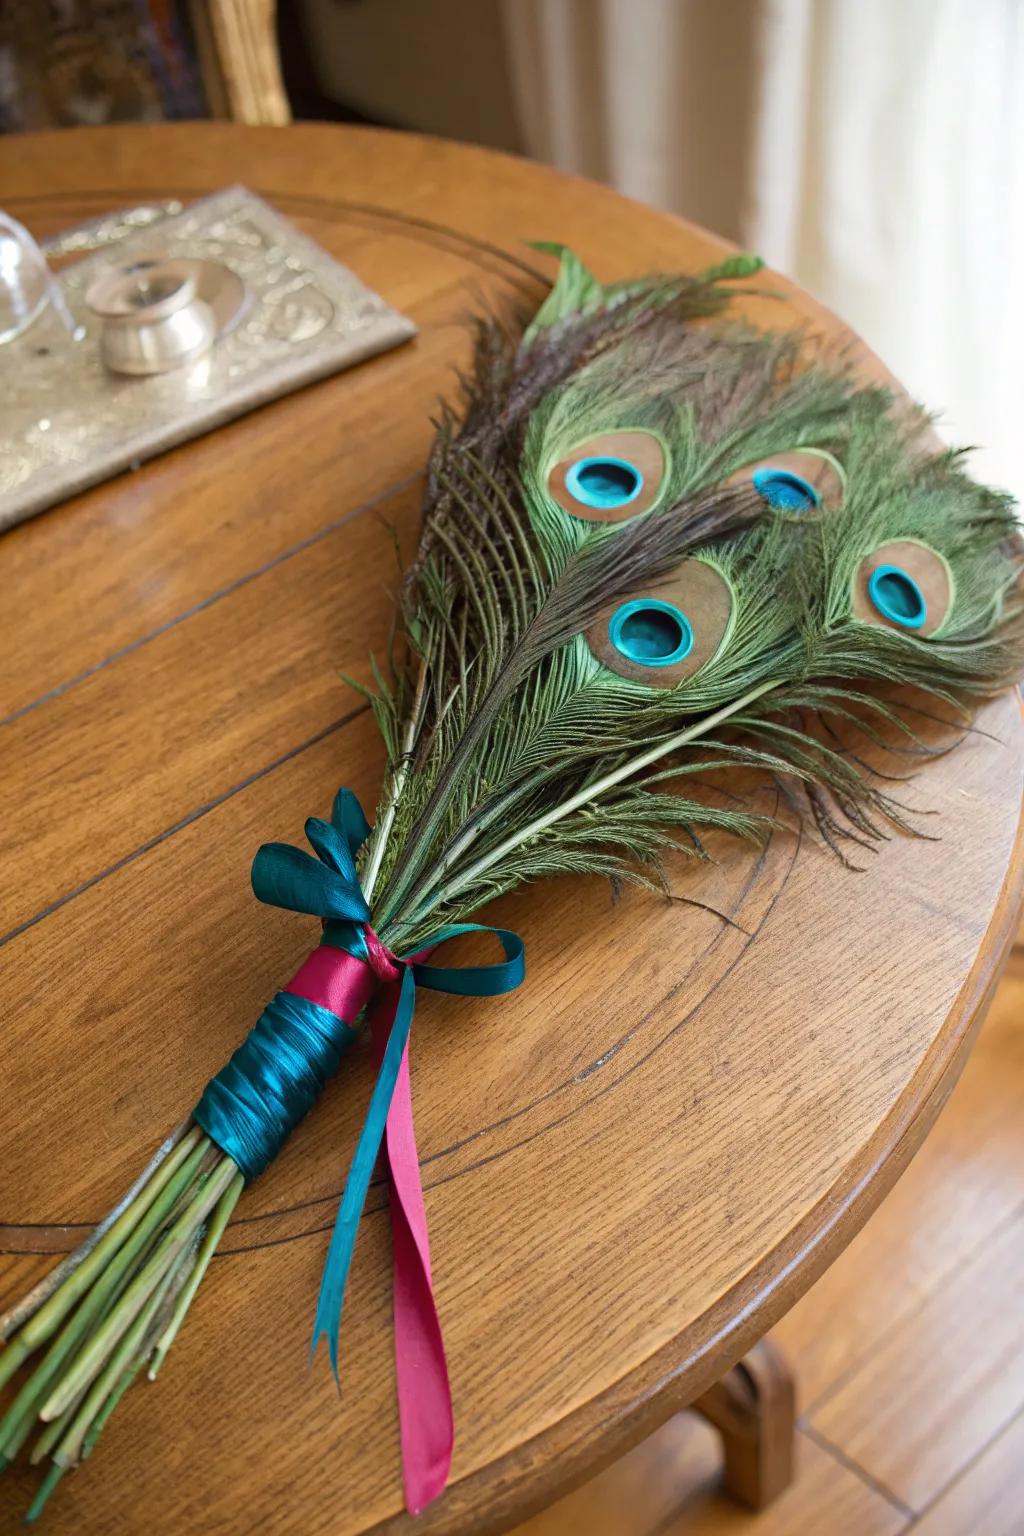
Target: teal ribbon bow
[327,886]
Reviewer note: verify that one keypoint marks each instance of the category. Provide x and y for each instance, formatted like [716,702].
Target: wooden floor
[909,1354]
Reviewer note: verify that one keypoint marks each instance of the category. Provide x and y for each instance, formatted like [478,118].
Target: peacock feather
[649,534]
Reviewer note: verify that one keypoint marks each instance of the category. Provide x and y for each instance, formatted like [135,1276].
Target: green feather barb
[516,750]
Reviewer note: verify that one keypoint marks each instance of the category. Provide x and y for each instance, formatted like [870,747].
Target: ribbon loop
[332,848]
[347,815]
[475,980]
[284,876]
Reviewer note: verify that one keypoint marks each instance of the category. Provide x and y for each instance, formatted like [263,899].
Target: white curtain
[871,149]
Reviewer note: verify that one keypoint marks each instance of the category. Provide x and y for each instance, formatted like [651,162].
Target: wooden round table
[635,1164]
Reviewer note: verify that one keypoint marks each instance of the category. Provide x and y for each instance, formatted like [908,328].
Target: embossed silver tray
[66,422]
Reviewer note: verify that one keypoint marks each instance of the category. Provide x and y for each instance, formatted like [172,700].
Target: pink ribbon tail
[426,1422]
[343,983]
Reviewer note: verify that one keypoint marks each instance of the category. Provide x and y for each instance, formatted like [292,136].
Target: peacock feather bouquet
[651,544]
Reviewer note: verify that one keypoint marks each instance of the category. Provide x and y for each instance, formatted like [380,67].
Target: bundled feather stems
[650,544]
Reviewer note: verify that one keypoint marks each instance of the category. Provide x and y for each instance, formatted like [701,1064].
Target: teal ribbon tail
[465,981]
[327,1322]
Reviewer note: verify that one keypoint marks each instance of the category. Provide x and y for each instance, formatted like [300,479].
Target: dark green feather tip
[733,268]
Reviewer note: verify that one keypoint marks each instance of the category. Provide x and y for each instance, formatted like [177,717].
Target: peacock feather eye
[612,477]
[896,596]
[784,490]
[664,636]
[796,482]
[651,632]
[604,484]
[904,585]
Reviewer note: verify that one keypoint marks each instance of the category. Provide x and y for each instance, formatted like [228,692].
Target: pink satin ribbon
[335,980]
[344,984]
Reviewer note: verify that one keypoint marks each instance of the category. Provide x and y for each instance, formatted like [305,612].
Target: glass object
[27,285]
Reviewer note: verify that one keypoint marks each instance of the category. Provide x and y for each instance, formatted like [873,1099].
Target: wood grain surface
[987,1501]
[897,1333]
[669,1486]
[635,1164]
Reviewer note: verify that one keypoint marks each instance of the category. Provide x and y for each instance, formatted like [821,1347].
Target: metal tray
[66,422]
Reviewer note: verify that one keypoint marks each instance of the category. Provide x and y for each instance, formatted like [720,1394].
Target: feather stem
[598,787]
[382,830]
[11,1320]
[482,818]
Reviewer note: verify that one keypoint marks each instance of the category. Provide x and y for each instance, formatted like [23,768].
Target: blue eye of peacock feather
[650,632]
[784,490]
[897,596]
[604,482]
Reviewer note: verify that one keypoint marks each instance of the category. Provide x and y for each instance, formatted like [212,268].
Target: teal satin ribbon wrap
[279,1071]
[272,1080]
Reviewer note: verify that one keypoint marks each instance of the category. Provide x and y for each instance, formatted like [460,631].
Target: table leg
[754,1409]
